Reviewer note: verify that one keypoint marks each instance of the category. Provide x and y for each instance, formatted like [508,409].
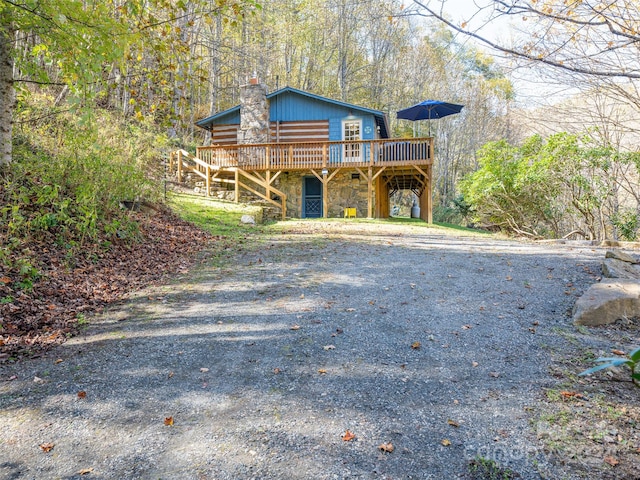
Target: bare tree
[590,37]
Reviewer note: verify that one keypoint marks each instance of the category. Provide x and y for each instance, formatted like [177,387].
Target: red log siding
[287,132]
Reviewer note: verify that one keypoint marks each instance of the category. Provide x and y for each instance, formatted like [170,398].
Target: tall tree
[7,93]
[89,45]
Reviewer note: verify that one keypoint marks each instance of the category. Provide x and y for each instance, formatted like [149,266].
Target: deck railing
[298,156]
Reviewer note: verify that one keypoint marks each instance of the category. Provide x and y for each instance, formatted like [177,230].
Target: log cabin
[309,155]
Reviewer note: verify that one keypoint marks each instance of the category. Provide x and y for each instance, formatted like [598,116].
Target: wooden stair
[259,184]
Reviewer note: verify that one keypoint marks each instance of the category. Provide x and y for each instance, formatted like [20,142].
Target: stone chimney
[254,113]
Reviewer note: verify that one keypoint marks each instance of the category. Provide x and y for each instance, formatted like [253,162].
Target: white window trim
[348,151]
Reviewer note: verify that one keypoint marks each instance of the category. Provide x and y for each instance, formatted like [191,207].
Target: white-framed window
[352,130]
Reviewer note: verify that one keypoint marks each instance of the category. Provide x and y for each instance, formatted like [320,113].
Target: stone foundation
[343,192]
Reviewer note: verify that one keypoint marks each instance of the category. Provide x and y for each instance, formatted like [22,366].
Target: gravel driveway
[434,342]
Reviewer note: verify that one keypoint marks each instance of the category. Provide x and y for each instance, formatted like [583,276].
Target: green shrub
[67,180]
[632,361]
[626,221]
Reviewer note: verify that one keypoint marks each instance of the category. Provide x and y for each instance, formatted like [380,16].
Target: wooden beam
[370,192]
[420,170]
[267,183]
[237,190]
[277,174]
[208,181]
[379,172]
[324,179]
[325,196]
[429,194]
[264,183]
[179,166]
[370,178]
[318,176]
[256,192]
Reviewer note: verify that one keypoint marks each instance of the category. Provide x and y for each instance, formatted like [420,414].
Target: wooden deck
[405,163]
[313,155]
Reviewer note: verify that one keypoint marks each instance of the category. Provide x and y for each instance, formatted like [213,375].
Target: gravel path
[264,364]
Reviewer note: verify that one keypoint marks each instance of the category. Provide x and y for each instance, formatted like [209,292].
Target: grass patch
[482,468]
[215,216]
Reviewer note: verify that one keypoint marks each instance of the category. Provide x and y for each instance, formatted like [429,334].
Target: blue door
[312,198]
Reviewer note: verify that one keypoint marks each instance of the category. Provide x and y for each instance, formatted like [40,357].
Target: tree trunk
[7,93]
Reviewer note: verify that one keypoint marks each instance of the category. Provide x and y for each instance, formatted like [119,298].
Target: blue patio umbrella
[429,109]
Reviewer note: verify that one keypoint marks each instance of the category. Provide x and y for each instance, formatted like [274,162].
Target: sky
[531,89]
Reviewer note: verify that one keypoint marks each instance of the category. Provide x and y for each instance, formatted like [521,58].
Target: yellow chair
[349,212]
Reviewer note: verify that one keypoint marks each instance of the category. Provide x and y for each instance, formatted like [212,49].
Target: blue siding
[335,129]
[289,105]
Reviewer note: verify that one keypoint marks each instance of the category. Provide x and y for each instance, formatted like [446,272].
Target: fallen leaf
[349,309]
[618,352]
[416,345]
[446,442]
[329,347]
[474,364]
[613,461]
[82,394]
[168,421]
[170,375]
[5,280]
[204,370]
[566,394]
[85,471]
[46,447]
[58,361]
[276,370]
[412,285]
[386,447]
[536,323]
[348,436]
[294,327]
[494,374]
[508,279]
[453,423]
[302,295]
[322,371]
[468,327]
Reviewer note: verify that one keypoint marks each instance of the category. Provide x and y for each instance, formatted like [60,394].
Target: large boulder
[608,301]
[614,268]
[619,255]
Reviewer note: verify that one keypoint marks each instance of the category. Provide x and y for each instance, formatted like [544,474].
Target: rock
[614,268]
[248,220]
[608,301]
[623,257]
[609,243]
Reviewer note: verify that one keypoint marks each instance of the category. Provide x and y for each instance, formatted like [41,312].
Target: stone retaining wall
[343,192]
